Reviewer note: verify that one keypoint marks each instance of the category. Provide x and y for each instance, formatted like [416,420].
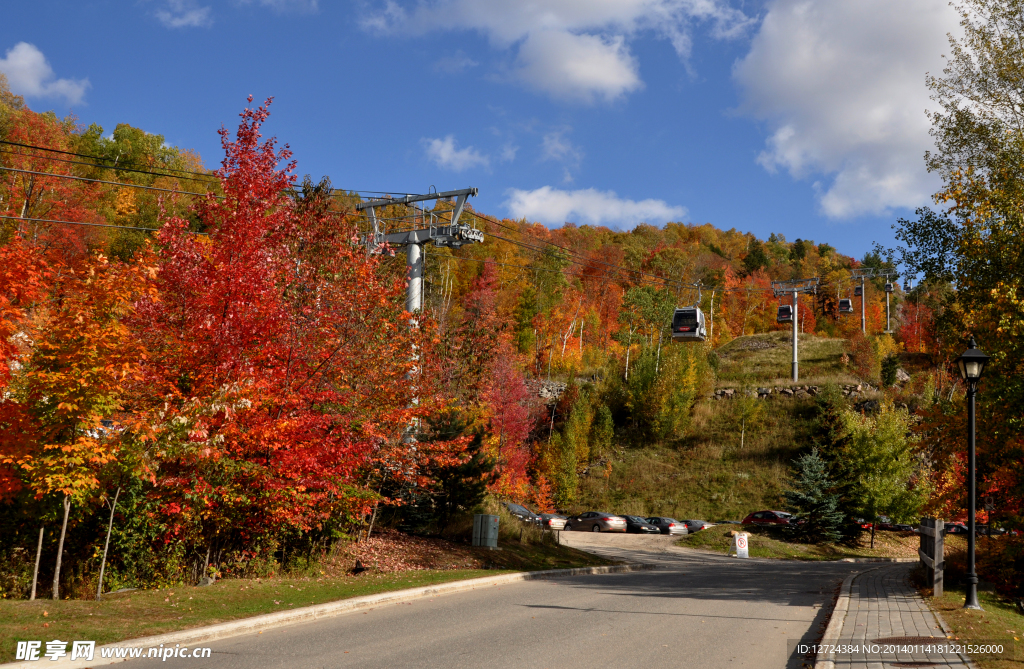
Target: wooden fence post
[932,552]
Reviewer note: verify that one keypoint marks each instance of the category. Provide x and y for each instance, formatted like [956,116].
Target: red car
[768,518]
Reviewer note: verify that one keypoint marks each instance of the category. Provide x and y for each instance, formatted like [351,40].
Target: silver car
[668,525]
[596,521]
[552,521]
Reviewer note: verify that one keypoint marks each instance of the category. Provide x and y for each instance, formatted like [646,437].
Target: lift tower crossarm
[795,286]
[863,273]
[409,199]
[452,234]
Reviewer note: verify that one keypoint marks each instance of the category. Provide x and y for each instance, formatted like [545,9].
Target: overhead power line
[93,225]
[112,183]
[202,176]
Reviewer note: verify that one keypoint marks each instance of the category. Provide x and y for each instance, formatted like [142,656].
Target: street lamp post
[971,363]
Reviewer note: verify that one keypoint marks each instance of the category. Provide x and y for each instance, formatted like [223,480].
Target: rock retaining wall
[849,390]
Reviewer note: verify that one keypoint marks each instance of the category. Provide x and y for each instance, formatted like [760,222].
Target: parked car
[984,529]
[697,525]
[552,521]
[956,527]
[768,518]
[638,525]
[522,513]
[668,525]
[596,521]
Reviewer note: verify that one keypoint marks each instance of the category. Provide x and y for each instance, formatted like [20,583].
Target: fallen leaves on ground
[391,551]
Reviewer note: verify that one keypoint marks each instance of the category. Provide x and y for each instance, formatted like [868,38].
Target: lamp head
[972,364]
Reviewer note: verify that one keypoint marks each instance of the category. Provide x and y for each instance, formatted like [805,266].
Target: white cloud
[30,75]
[307,6]
[446,155]
[554,207]
[570,49]
[554,146]
[455,63]
[508,152]
[577,67]
[841,85]
[185,14]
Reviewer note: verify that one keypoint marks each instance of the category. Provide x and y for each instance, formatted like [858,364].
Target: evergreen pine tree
[456,487]
[814,503]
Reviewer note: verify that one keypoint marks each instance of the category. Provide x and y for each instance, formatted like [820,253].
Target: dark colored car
[638,525]
[768,518]
[552,521]
[956,527]
[697,525]
[668,525]
[522,513]
[985,529]
[596,521]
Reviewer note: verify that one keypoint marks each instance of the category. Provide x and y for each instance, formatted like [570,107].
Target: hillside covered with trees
[210,365]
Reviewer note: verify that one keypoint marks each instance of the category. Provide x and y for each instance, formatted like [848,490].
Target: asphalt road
[696,610]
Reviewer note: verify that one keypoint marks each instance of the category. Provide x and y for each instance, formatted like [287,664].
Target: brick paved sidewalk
[884,605]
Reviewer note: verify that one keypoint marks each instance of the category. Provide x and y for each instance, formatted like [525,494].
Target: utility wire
[584,260]
[94,225]
[589,260]
[112,183]
[522,267]
[205,177]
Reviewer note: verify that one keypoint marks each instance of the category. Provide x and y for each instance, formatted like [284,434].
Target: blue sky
[800,117]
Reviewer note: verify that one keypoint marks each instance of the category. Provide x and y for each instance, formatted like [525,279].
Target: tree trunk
[743,431]
[35,573]
[873,534]
[711,337]
[657,363]
[106,545]
[629,346]
[60,548]
[373,519]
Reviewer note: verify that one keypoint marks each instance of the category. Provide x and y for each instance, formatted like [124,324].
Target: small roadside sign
[990,503]
[740,541]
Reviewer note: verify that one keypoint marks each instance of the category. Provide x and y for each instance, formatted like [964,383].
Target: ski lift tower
[863,273]
[796,286]
[441,233]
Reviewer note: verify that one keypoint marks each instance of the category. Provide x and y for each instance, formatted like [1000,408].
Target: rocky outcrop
[548,391]
[802,392]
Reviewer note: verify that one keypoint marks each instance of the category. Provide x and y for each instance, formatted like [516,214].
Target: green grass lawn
[719,470]
[147,612]
[771,544]
[998,621]
[765,359]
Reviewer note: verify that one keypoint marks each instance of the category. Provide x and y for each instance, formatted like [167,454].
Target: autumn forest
[208,371]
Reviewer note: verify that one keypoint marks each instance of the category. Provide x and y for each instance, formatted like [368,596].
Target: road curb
[948,631]
[268,621]
[835,623]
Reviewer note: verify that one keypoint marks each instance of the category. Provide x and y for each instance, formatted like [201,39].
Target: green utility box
[485,530]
